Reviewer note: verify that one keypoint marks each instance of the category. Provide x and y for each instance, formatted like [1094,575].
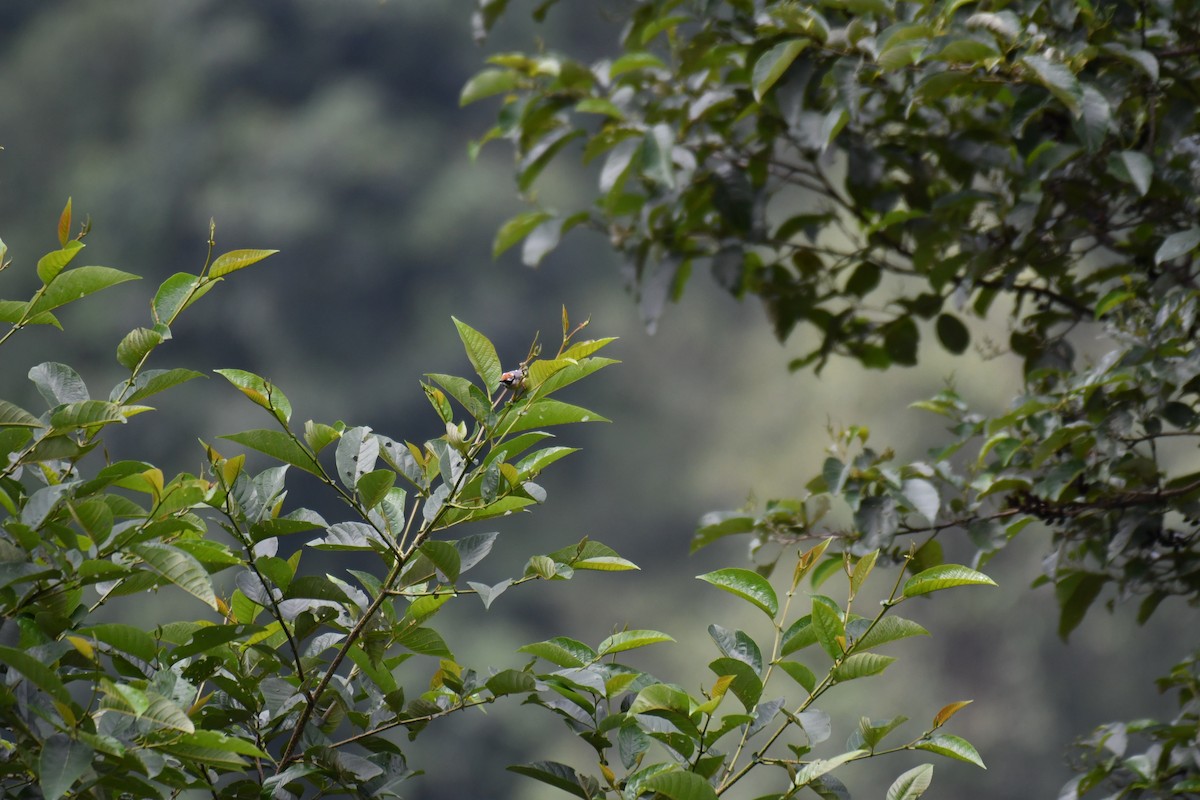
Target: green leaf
[544,413]
[815,769]
[37,673]
[260,391]
[888,629]
[1058,79]
[630,640]
[771,65]
[177,293]
[861,665]
[514,230]
[745,584]
[661,697]
[123,638]
[629,62]
[444,556]
[679,785]
[62,762]
[180,568]
[562,651]
[277,445]
[1133,167]
[1107,303]
[487,83]
[1178,244]
[136,345]
[911,784]
[89,414]
[560,776]
[944,576]
[746,686]
[152,381]
[799,673]
[951,746]
[953,334]
[50,265]
[237,259]
[1076,592]
[58,383]
[828,626]
[75,284]
[482,354]
[374,486]
[12,416]
[511,681]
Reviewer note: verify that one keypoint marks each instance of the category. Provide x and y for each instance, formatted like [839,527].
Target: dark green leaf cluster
[866,166]
[877,171]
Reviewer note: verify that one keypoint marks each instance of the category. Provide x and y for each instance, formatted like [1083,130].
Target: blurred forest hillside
[331,131]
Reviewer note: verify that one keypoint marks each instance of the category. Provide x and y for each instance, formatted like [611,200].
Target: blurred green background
[331,131]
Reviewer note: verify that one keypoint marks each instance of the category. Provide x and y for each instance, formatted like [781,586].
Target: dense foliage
[875,171]
[295,681]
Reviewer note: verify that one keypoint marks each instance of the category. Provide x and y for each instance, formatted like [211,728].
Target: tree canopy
[877,171]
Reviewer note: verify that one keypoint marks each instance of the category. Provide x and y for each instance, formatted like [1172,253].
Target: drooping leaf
[277,445]
[180,568]
[746,584]
[911,784]
[771,65]
[61,763]
[953,747]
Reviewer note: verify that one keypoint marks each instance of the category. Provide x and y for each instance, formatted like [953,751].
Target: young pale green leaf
[679,785]
[911,784]
[944,576]
[50,265]
[745,683]
[862,568]
[771,65]
[487,83]
[237,259]
[952,746]
[180,568]
[661,697]
[482,355]
[861,665]
[75,284]
[277,445]
[630,640]
[62,762]
[746,584]
[260,391]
